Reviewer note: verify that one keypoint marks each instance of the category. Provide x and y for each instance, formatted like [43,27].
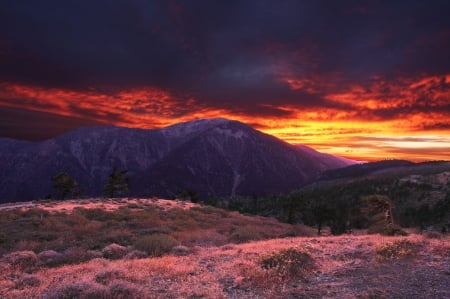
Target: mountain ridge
[215,157]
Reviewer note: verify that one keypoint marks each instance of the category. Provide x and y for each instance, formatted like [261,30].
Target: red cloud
[406,107]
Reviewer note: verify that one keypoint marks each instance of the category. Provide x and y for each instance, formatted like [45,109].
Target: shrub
[124,290]
[398,249]
[94,254]
[136,254]
[434,235]
[289,262]
[118,235]
[394,230]
[134,206]
[245,234]
[300,230]
[3,238]
[228,247]
[373,293]
[26,245]
[156,245]
[442,249]
[180,250]
[78,289]
[96,214]
[50,258]
[75,255]
[387,230]
[114,251]
[21,260]
[27,280]
[106,276]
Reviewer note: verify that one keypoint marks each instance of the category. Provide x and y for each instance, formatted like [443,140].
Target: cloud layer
[326,74]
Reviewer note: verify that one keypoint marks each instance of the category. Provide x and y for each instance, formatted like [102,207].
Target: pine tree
[65,185]
[117,183]
[378,208]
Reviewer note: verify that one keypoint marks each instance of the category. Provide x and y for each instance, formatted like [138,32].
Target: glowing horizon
[418,136]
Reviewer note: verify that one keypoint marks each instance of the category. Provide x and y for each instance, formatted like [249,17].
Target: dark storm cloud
[83,43]
[226,54]
[38,125]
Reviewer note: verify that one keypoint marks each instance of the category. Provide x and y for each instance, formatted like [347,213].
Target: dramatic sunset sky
[367,80]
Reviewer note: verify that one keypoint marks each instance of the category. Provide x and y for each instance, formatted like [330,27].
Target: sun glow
[383,121]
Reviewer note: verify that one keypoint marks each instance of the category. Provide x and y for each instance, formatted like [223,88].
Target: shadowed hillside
[213,157]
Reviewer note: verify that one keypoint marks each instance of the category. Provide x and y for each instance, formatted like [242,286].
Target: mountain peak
[214,157]
[195,126]
[204,122]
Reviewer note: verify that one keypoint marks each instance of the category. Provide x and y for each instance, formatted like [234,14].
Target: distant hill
[387,166]
[211,156]
[419,194]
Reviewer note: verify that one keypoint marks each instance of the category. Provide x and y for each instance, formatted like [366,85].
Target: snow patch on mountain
[239,134]
[197,126]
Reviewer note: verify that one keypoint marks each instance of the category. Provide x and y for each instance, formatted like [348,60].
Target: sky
[367,80]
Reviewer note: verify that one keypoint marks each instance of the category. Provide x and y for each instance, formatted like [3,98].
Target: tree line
[66,186]
[379,205]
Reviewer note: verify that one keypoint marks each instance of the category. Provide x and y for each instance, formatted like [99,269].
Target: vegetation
[381,203]
[21,260]
[369,202]
[117,183]
[95,249]
[65,185]
[188,194]
[398,249]
[89,230]
[288,262]
[89,248]
[156,245]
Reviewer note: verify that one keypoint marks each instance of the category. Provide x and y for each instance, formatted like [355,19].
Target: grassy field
[153,248]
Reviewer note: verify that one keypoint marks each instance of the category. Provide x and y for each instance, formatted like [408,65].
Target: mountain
[211,156]
[327,160]
[386,167]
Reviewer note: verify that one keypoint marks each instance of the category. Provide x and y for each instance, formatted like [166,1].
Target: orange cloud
[432,91]
[140,107]
[360,122]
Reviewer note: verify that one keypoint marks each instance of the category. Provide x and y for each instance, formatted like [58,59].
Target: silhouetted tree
[65,185]
[379,211]
[337,218]
[117,183]
[188,194]
[294,205]
[379,207]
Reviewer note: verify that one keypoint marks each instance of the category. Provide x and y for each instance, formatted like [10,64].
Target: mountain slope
[380,167]
[211,156]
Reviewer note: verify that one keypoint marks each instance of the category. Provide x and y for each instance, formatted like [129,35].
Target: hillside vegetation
[417,195]
[152,248]
[83,225]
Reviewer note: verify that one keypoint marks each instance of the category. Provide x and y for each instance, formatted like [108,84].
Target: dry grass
[293,267]
[396,250]
[288,263]
[341,267]
[108,204]
[156,244]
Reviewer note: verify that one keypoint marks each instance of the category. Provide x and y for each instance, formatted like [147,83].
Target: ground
[348,266]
